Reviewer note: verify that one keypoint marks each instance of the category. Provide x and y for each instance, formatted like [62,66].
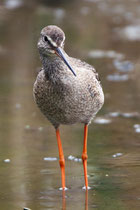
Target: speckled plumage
[62,97]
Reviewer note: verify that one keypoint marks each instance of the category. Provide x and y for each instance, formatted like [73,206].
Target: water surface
[106,35]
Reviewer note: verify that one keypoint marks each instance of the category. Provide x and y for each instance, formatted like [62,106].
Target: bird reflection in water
[64,200]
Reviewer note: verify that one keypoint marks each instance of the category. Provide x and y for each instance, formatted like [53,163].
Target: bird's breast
[69,100]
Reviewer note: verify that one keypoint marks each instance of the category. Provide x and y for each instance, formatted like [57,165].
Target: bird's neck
[54,67]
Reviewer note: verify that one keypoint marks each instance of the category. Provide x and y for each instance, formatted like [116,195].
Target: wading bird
[67,90]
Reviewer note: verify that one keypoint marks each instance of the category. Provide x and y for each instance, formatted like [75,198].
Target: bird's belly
[68,108]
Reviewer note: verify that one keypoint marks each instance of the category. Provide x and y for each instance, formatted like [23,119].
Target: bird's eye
[45,39]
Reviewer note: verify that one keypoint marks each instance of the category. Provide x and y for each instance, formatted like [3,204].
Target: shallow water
[105,34]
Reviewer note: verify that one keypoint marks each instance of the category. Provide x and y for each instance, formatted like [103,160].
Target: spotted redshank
[67,90]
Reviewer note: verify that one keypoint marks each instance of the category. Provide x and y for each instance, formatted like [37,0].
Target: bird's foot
[65,188]
[86,188]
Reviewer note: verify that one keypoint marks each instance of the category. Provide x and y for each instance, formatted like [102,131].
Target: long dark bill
[60,54]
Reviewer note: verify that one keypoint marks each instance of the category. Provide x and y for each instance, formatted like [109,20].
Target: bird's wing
[39,69]
[83,64]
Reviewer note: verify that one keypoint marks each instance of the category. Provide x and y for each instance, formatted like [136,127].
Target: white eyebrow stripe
[51,41]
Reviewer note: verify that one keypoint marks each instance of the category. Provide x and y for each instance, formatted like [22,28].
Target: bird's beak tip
[59,53]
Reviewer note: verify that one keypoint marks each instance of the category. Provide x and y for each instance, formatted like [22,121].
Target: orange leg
[84,155]
[61,159]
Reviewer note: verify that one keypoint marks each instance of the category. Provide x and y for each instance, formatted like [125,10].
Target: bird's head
[51,43]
